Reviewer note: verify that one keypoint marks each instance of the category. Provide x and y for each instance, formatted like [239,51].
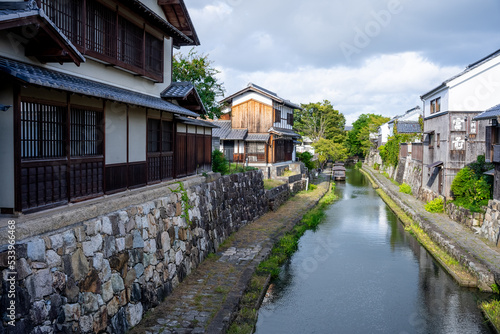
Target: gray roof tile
[178,90]
[490,113]
[258,137]
[408,127]
[53,79]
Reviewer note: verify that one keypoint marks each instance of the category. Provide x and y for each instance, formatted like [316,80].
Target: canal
[361,272]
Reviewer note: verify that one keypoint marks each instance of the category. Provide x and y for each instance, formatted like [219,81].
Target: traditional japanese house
[452,137]
[492,145]
[89,106]
[257,128]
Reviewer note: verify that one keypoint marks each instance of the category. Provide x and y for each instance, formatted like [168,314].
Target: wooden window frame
[100,31]
[277,115]
[435,105]
[289,119]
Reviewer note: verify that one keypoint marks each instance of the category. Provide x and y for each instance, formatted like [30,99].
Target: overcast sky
[365,56]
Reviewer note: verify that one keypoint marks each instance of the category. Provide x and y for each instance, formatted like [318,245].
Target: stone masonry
[491,225]
[103,274]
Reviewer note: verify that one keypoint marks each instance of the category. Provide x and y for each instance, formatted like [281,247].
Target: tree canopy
[320,120]
[358,139]
[198,69]
[329,150]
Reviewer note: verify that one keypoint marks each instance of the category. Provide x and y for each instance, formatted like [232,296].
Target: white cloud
[384,84]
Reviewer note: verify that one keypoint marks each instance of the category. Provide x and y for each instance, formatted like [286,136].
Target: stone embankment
[100,267]
[479,256]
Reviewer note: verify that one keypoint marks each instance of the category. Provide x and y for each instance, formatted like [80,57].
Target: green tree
[198,69]
[329,150]
[358,139]
[320,120]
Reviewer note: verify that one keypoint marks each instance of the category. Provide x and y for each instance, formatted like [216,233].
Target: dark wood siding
[181,154]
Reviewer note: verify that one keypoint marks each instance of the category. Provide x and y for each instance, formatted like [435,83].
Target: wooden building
[89,106]
[452,135]
[492,145]
[257,127]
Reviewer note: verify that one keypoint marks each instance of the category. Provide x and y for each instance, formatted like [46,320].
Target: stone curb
[467,257]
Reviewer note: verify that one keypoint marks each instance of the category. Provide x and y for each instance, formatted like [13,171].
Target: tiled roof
[272,95]
[18,8]
[197,122]
[178,90]
[408,127]
[488,114]
[53,79]
[284,132]
[224,127]
[258,137]
[237,134]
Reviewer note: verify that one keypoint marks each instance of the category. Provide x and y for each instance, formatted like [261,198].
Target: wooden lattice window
[101,29]
[43,129]
[153,135]
[86,133]
[167,136]
[277,115]
[130,39]
[154,54]
[67,16]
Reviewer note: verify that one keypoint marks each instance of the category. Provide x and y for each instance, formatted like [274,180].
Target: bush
[471,190]
[358,165]
[405,188]
[219,163]
[376,166]
[435,206]
[306,158]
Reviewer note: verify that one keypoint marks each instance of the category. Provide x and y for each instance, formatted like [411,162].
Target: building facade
[257,128]
[89,103]
[453,138]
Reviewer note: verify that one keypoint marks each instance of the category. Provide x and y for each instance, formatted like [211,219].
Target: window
[86,137]
[129,43]
[438,139]
[436,105]
[289,119]
[99,31]
[167,136]
[430,137]
[256,148]
[277,115]
[43,131]
[153,135]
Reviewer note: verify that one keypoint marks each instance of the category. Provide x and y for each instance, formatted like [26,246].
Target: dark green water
[360,272]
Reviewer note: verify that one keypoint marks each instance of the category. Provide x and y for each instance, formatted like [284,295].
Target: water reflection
[360,272]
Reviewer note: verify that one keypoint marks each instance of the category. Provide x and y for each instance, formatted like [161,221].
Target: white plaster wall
[6,148]
[137,134]
[252,95]
[116,133]
[478,89]
[444,95]
[153,5]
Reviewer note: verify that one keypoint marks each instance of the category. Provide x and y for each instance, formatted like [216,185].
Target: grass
[270,184]
[491,310]
[288,244]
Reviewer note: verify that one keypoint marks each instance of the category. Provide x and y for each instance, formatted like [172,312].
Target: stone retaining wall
[491,225]
[464,216]
[103,274]
[277,196]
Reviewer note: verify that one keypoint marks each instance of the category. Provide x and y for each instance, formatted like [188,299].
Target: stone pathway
[478,254]
[206,300]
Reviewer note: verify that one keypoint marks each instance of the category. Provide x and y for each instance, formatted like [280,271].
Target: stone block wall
[410,172]
[491,225]
[103,274]
[277,196]
[464,216]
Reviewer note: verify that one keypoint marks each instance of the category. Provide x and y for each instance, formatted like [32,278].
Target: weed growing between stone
[185,202]
[435,206]
[491,310]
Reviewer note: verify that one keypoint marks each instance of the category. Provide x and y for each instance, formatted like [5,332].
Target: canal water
[360,272]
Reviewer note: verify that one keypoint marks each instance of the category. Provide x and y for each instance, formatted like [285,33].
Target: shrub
[405,188]
[376,166]
[435,206]
[471,190]
[306,158]
[358,165]
[219,162]
[311,186]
